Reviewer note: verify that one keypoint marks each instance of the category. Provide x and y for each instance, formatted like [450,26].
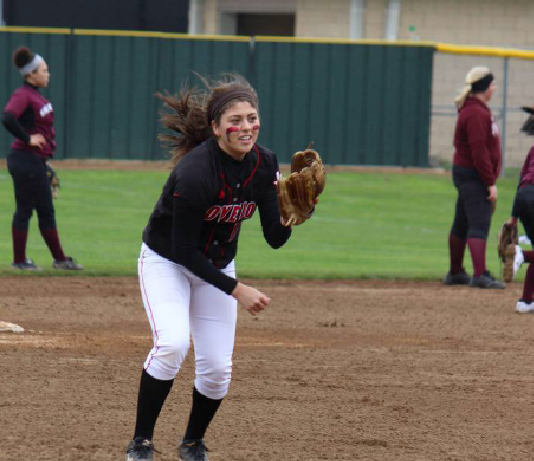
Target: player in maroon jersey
[523,210]
[186,267]
[476,167]
[29,117]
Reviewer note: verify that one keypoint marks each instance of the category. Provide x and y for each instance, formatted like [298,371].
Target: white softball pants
[179,305]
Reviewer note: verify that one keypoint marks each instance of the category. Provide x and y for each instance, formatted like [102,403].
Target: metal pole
[2,23]
[356,19]
[393,19]
[503,111]
[194,17]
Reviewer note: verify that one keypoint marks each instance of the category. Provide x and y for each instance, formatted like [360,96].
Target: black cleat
[140,449]
[486,281]
[69,264]
[193,450]
[27,265]
[461,278]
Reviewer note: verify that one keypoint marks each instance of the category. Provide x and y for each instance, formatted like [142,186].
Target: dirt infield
[363,370]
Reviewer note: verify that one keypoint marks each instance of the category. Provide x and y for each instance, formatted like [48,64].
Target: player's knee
[478,233]
[175,349]
[214,380]
[168,358]
[459,232]
[22,217]
[47,221]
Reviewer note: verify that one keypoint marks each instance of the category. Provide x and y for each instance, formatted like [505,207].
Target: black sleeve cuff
[14,127]
[276,235]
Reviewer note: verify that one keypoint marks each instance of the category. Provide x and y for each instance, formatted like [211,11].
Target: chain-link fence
[513,72]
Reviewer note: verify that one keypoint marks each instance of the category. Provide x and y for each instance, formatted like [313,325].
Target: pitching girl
[523,210]
[476,167]
[29,117]
[186,266]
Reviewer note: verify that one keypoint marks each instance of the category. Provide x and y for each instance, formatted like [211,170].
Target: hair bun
[22,56]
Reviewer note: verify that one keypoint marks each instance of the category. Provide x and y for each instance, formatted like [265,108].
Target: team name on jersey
[230,213]
[46,109]
[494,128]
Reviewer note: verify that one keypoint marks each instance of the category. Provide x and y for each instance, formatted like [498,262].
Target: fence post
[503,112]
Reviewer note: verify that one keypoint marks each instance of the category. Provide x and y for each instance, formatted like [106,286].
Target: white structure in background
[196,13]
[354,19]
[393,20]
[499,23]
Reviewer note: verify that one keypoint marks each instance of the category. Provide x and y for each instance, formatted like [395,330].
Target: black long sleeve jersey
[197,220]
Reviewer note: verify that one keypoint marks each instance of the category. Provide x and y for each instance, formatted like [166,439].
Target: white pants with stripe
[179,305]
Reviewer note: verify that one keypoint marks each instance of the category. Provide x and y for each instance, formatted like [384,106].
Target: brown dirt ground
[355,370]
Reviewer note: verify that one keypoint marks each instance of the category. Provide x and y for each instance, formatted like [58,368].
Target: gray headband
[31,66]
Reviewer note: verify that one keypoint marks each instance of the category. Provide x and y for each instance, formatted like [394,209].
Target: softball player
[523,209]
[476,167]
[29,117]
[186,266]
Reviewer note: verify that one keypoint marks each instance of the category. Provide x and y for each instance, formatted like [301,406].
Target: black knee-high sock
[202,412]
[152,395]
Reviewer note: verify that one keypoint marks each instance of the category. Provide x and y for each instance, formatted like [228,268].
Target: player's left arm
[527,165]
[275,234]
[187,225]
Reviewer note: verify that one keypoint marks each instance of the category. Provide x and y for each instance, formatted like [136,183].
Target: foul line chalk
[6,326]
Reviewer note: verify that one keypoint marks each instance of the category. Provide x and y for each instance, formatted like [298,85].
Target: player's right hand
[254,301]
[492,193]
[37,140]
[492,197]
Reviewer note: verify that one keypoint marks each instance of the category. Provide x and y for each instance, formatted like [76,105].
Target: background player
[476,167]
[524,210]
[186,267]
[29,117]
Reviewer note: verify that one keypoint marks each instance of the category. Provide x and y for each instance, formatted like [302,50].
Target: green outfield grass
[385,225]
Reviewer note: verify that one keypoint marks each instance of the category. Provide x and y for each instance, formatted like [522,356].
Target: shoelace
[197,449]
[144,448]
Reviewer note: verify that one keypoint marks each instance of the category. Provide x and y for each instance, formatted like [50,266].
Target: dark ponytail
[188,119]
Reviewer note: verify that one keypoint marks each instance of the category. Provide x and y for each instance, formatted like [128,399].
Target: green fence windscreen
[361,104]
